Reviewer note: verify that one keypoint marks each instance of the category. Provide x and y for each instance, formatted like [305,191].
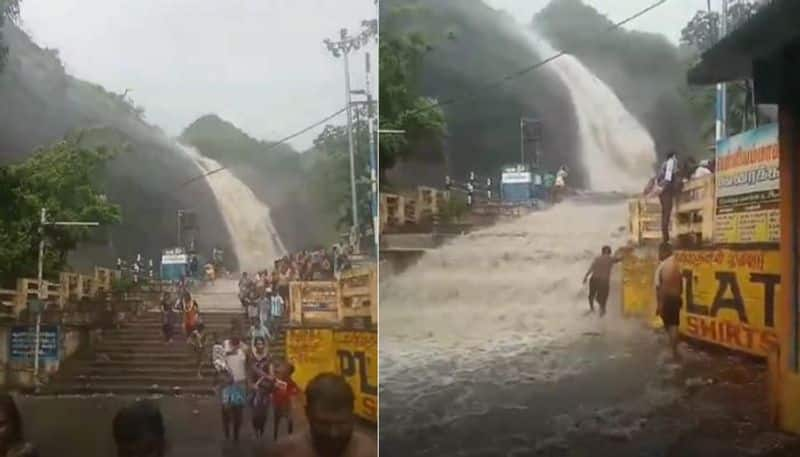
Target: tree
[700,34]
[401,106]
[9,10]
[64,178]
[703,29]
[330,171]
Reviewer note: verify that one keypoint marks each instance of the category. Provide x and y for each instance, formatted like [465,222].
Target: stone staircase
[134,359]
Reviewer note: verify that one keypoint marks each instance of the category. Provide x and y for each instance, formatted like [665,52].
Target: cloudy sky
[260,64]
[668,19]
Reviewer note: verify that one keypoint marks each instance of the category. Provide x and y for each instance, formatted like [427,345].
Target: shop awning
[774,27]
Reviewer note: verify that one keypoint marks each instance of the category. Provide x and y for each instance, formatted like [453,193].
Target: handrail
[692,218]
[71,287]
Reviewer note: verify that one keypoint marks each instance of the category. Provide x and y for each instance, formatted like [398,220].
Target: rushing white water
[618,153]
[497,291]
[479,324]
[248,220]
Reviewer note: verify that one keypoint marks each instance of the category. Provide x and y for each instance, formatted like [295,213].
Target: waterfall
[616,151]
[255,241]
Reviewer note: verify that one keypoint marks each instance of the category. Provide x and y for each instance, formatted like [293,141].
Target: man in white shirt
[702,170]
[668,181]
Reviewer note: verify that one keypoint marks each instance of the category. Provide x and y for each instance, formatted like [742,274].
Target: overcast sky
[260,64]
[667,19]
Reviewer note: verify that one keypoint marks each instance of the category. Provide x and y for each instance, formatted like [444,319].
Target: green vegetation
[64,178]
[402,107]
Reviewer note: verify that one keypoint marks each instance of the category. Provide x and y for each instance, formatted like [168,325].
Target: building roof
[773,27]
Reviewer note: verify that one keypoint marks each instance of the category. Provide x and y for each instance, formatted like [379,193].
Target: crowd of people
[265,295]
[139,429]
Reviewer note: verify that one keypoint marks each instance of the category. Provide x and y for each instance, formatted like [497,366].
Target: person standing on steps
[263,382]
[234,379]
[277,305]
[669,182]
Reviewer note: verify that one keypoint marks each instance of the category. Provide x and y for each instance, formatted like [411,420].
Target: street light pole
[722,92]
[343,48]
[180,214]
[350,148]
[40,283]
[372,155]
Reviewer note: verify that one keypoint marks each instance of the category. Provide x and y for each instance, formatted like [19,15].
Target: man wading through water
[669,290]
[601,277]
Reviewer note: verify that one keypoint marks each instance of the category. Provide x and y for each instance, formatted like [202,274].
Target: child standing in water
[600,271]
[283,392]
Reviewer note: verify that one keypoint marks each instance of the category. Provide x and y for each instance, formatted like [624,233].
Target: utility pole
[180,216]
[373,177]
[722,102]
[40,283]
[521,140]
[523,121]
[343,47]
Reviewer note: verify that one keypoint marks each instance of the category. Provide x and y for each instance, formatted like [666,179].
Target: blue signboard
[23,337]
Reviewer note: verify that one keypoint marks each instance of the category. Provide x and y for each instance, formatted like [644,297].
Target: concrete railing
[692,215]
[402,210]
[352,297]
[71,288]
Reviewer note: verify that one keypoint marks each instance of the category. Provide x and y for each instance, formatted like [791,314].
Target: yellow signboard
[357,361]
[353,354]
[729,297]
[638,293]
[747,187]
[311,351]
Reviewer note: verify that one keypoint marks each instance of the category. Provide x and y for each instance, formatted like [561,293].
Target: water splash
[618,153]
[255,240]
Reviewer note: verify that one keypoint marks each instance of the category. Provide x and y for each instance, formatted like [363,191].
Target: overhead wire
[476,94]
[271,146]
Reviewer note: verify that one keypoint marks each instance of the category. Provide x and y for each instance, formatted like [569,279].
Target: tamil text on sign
[747,187]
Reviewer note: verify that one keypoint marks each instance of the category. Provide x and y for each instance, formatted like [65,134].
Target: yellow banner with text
[352,354]
[729,297]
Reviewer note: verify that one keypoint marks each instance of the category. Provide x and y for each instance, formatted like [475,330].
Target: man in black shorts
[669,292]
[601,277]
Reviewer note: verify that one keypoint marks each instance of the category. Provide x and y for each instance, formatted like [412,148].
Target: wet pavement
[627,400]
[81,426]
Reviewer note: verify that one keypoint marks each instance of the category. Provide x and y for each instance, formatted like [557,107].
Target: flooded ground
[486,349]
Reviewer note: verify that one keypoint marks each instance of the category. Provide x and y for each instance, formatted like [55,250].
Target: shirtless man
[329,408]
[669,293]
[600,271]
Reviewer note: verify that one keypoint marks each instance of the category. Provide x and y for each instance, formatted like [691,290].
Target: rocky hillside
[40,104]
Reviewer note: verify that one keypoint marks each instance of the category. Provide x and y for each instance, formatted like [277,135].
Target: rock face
[40,104]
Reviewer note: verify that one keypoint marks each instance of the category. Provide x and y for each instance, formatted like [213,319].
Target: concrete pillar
[785,372]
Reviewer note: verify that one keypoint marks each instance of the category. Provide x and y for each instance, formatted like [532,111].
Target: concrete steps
[127,389]
[135,359]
